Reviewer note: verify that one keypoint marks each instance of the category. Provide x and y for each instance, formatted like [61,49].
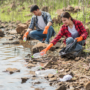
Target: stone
[59,11]
[45,8]
[12,70]
[87,86]
[77,8]
[24,79]
[30,65]
[9,42]
[12,32]
[1,33]
[87,29]
[62,87]
[52,79]
[40,46]
[50,76]
[70,8]
[37,82]
[21,27]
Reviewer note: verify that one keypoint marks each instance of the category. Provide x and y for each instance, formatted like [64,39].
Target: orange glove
[79,39]
[25,35]
[46,49]
[46,30]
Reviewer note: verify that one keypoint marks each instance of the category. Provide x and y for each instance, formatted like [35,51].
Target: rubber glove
[46,49]
[79,39]
[25,36]
[46,30]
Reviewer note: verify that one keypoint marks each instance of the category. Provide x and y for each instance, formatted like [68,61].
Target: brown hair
[66,15]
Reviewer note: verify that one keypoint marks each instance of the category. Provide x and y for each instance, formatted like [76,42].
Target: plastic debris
[46,72]
[66,78]
[38,55]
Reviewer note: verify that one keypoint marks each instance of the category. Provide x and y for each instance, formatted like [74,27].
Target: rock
[77,58]
[50,76]
[33,73]
[59,19]
[87,86]
[30,65]
[52,79]
[37,89]
[55,20]
[28,23]
[3,25]
[45,8]
[9,42]
[24,79]
[12,32]
[37,82]
[70,8]
[87,29]
[40,46]
[59,11]
[12,70]
[34,42]
[62,87]
[21,27]
[77,8]
[88,59]
[1,33]
[73,79]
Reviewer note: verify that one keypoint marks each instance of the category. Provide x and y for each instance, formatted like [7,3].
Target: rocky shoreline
[78,67]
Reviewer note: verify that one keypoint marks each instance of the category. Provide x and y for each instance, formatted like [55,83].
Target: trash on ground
[46,72]
[38,55]
[66,78]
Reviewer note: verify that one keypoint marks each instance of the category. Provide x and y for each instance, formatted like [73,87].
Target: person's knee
[50,28]
[31,34]
[69,40]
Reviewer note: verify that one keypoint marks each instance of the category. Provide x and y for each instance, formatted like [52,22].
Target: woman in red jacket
[71,29]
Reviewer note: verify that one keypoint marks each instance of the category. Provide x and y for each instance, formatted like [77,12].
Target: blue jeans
[70,40]
[38,34]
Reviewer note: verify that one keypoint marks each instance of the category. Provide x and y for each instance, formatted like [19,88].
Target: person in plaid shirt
[71,29]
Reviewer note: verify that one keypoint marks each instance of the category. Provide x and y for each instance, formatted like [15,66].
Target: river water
[13,56]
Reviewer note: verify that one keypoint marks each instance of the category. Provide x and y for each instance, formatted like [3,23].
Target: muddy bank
[79,67]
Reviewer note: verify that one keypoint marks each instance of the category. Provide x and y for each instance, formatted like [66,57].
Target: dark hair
[33,8]
[66,15]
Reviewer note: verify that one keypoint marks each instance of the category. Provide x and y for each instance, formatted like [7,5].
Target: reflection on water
[13,56]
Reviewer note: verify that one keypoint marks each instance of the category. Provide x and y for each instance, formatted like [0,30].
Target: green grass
[14,15]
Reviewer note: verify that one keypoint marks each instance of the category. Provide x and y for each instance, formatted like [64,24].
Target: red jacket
[64,32]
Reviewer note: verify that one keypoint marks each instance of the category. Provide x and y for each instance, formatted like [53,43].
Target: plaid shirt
[64,32]
[34,21]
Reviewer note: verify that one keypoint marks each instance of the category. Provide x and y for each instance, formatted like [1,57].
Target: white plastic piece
[38,55]
[46,72]
[66,78]
[24,39]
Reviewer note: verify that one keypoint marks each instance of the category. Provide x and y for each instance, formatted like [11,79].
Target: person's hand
[25,36]
[44,51]
[46,30]
[79,39]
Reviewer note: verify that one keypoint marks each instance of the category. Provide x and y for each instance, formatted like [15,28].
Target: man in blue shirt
[43,23]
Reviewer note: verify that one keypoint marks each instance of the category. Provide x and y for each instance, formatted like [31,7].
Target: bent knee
[69,40]
[31,33]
